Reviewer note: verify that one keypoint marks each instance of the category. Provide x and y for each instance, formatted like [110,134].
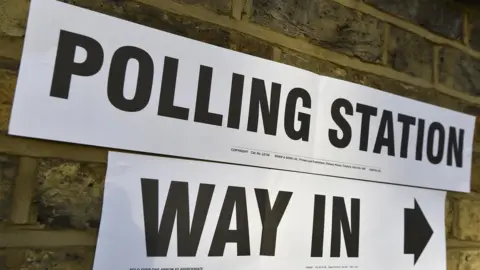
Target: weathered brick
[55,259]
[469,260]
[69,194]
[8,81]
[110,7]
[477,129]
[13,17]
[8,168]
[12,258]
[449,102]
[395,87]
[314,65]
[474,110]
[437,16]
[175,24]
[474,28]
[468,219]
[475,172]
[35,236]
[324,23]
[10,51]
[3,261]
[219,6]
[410,53]
[452,259]
[47,149]
[459,71]
[5,110]
[158,19]
[223,7]
[449,212]
[250,45]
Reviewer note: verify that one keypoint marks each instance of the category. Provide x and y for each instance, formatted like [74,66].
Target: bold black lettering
[318,226]
[304,131]
[455,147]
[177,205]
[235,108]
[65,65]
[116,79]
[259,102]
[271,218]
[167,94]
[367,112]
[406,121]
[386,124]
[420,138]
[341,122]
[435,158]
[202,115]
[235,198]
[340,219]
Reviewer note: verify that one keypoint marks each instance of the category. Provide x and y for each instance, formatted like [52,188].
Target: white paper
[122,245]
[88,115]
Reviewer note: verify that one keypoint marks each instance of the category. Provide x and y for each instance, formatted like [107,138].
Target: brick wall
[51,193]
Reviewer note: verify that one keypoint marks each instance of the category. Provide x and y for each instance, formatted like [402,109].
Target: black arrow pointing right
[417,232]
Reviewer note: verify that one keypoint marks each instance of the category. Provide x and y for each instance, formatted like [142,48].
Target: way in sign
[189,233]
[187,213]
[177,206]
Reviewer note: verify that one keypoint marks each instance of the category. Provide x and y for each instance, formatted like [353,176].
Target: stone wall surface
[428,50]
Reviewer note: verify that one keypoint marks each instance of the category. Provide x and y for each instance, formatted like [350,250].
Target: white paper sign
[213,220]
[93,79]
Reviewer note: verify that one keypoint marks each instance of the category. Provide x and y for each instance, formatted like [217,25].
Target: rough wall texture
[428,50]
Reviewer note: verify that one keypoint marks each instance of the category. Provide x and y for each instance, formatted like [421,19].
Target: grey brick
[437,16]
[324,23]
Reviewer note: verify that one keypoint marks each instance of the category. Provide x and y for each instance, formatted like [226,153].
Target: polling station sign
[93,79]
[165,213]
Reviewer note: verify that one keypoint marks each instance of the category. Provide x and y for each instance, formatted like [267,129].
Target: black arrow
[417,232]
